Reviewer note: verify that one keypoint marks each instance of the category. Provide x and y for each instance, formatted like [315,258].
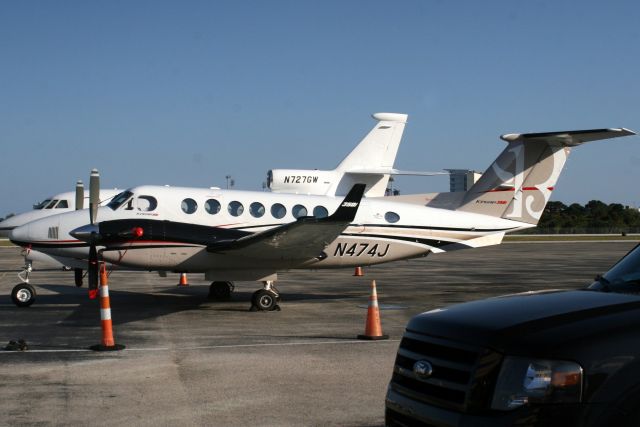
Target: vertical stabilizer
[518,184]
[376,152]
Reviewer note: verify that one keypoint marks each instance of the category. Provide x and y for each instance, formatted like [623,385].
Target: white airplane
[370,163]
[377,149]
[54,205]
[245,235]
[59,203]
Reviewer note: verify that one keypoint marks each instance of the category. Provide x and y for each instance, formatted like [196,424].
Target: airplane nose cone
[20,235]
[86,233]
[5,227]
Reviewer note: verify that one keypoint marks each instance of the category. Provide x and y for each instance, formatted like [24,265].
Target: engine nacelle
[301,181]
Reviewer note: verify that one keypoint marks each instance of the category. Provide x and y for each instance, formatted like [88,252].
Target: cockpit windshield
[42,204]
[120,199]
[51,204]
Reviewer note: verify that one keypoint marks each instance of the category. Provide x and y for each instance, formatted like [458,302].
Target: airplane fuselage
[181,223]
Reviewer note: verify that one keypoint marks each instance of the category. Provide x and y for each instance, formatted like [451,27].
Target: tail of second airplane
[519,182]
[370,163]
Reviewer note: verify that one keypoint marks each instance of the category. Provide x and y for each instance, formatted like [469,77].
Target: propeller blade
[94,194]
[79,196]
[93,268]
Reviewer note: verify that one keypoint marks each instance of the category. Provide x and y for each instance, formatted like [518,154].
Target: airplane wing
[300,240]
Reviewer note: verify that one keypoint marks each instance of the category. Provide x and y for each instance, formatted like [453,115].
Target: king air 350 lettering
[300,179]
[361,249]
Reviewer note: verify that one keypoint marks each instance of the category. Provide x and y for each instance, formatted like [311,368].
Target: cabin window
[299,211]
[189,206]
[63,204]
[256,209]
[320,212]
[51,204]
[212,206]
[278,211]
[235,208]
[147,203]
[391,217]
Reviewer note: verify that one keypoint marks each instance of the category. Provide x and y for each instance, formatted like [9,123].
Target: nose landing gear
[23,294]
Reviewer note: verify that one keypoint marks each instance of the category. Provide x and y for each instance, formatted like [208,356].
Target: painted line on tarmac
[204,347]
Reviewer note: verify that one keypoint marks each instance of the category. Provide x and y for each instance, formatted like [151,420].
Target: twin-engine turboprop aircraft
[371,161]
[244,235]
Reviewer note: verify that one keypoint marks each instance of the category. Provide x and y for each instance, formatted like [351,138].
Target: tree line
[595,217]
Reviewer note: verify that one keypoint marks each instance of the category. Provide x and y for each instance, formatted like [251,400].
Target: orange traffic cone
[183,280]
[358,272]
[107,343]
[373,327]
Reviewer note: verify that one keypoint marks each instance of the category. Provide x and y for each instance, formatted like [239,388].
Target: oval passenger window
[212,206]
[189,206]
[391,217]
[235,208]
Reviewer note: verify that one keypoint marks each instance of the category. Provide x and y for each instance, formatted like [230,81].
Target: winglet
[349,206]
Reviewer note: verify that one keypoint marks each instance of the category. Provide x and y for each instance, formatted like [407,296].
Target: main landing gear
[266,299]
[23,294]
[221,291]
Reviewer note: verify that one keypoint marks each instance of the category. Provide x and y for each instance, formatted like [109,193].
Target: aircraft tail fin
[518,184]
[370,163]
[372,157]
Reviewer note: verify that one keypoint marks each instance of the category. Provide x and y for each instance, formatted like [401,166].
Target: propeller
[94,202]
[79,196]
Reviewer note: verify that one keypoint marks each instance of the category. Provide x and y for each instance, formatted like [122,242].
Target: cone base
[373,337]
[100,347]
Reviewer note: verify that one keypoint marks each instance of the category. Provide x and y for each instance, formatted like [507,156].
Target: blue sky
[184,93]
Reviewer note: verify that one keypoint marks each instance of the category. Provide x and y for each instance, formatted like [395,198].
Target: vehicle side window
[320,212]
[147,203]
[298,211]
[391,217]
[52,204]
[189,206]
[212,206]
[63,205]
[235,208]
[278,211]
[256,209]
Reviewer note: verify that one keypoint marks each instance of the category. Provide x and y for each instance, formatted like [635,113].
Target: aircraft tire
[220,291]
[77,273]
[264,300]
[23,295]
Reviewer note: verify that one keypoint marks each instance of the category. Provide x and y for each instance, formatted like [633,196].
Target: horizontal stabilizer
[391,171]
[300,240]
[570,138]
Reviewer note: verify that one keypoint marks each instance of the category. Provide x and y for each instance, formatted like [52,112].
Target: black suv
[565,358]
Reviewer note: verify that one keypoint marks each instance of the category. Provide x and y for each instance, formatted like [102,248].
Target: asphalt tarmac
[189,361]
